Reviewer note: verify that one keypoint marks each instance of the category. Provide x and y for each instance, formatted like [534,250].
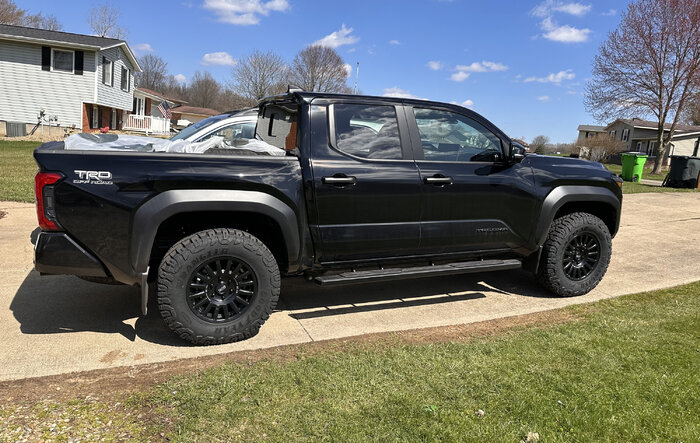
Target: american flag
[165,110]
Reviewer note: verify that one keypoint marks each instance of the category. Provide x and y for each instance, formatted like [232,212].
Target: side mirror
[516,153]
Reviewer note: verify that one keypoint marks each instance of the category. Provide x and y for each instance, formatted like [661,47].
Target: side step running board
[420,271]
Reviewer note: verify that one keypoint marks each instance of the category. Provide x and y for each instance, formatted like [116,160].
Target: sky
[521,64]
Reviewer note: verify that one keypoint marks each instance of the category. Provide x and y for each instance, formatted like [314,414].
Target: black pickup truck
[368,188]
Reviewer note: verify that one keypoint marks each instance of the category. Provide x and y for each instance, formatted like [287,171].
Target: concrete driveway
[58,324]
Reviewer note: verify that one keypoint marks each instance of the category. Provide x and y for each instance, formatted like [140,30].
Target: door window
[450,137]
[370,132]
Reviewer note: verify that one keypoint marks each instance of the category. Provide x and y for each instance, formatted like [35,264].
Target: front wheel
[575,255]
[217,286]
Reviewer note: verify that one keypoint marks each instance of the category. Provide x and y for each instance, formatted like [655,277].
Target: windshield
[197,126]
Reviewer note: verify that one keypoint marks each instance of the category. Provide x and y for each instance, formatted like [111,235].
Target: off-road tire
[563,231]
[186,256]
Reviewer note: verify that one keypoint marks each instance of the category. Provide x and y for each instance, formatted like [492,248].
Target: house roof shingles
[59,36]
[639,123]
[158,94]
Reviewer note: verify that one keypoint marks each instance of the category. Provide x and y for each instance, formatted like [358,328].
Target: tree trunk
[659,150]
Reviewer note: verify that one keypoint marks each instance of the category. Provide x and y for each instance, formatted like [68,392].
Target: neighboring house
[145,115]
[192,114]
[641,136]
[523,143]
[86,82]
[588,131]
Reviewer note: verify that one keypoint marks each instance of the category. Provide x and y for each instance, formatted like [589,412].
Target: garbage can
[684,172]
[633,166]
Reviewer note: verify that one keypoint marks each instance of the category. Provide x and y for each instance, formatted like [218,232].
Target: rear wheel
[217,286]
[575,255]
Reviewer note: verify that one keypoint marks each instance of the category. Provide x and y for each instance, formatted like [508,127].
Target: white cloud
[463,71]
[543,98]
[467,103]
[564,33]
[244,12]
[338,38]
[459,76]
[394,42]
[435,65]
[576,9]
[571,92]
[610,12]
[401,93]
[545,9]
[568,34]
[143,47]
[218,59]
[348,69]
[180,78]
[555,78]
[351,50]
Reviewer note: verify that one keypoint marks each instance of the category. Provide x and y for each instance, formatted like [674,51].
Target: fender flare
[561,195]
[154,212]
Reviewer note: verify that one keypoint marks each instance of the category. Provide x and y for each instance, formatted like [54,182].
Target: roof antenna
[357,74]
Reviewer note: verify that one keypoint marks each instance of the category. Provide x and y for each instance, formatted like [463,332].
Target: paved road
[59,324]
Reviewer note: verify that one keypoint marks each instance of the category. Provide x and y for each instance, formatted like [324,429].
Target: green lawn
[625,369]
[17,170]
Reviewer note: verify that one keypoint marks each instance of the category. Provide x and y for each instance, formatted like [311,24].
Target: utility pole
[357,74]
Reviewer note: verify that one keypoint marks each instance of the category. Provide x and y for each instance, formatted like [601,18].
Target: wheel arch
[563,200]
[242,209]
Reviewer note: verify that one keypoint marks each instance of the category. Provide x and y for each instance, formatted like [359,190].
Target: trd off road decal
[93,177]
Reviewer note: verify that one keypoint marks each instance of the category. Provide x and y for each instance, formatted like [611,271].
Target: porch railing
[147,124]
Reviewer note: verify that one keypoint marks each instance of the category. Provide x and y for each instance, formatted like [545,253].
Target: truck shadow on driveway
[65,304]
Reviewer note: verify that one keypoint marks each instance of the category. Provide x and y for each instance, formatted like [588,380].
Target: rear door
[473,201]
[365,182]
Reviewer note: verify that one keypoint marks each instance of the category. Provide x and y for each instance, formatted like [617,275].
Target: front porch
[147,124]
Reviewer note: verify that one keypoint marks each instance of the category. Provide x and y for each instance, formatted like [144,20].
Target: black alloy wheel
[221,289]
[581,256]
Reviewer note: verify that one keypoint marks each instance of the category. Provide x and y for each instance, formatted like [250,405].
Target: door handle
[438,180]
[339,180]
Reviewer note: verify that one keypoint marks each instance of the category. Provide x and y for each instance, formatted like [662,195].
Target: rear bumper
[57,253]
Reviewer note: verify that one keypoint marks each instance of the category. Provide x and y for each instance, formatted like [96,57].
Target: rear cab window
[367,131]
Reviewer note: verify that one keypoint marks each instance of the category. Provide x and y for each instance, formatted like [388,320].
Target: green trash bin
[633,166]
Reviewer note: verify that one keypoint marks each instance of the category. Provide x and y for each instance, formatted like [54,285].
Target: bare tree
[230,101]
[539,144]
[319,68]
[203,90]
[155,73]
[11,14]
[602,147]
[650,64]
[104,22]
[691,113]
[259,75]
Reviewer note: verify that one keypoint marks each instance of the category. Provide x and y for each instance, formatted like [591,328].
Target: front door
[473,201]
[366,184]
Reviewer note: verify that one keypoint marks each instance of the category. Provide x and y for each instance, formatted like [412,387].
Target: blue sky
[523,65]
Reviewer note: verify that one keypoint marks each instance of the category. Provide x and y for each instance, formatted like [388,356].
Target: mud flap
[532,261]
[144,292]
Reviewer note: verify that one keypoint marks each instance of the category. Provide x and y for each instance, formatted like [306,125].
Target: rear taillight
[45,207]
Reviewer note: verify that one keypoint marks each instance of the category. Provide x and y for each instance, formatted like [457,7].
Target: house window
[650,148]
[94,124]
[62,60]
[126,79]
[107,74]
[639,146]
[625,134]
[613,133]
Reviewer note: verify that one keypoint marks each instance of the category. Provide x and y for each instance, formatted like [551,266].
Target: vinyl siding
[25,88]
[113,96]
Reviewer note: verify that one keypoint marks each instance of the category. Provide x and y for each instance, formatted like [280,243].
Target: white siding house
[75,78]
